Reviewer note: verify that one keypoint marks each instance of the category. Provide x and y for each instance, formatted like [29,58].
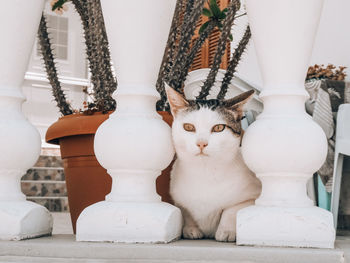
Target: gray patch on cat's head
[222,109]
[198,104]
[231,110]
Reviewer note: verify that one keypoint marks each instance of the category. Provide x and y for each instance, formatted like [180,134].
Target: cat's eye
[189,127]
[218,128]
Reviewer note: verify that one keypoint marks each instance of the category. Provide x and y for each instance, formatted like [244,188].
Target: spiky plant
[187,12]
[236,57]
[188,27]
[197,45]
[215,18]
[170,50]
[176,63]
[233,7]
[50,66]
[97,51]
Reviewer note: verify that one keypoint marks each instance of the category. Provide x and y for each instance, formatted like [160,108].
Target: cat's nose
[202,144]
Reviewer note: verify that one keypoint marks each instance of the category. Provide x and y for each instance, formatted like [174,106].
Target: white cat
[209,180]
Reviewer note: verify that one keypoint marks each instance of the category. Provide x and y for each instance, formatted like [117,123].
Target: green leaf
[230,37]
[212,2]
[214,8]
[203,27]
[58,4]
[207,12]
[222,15]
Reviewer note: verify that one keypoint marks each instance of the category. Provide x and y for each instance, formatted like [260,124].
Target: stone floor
[61,247]
[62,224]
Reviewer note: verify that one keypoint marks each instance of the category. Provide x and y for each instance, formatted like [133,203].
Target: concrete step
[53,204]
[9,259]
[45,182]
[51,151]
[49,161]
[44,173]
[44,188]
[63,248]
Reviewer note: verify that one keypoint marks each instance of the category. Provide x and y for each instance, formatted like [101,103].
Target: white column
[284,147]
[134,144]
[20,142]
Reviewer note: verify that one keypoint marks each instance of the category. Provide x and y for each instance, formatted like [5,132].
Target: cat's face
[206,129]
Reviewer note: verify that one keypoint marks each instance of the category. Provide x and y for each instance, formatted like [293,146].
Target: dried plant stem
[236,57]
[169,52]
[192,54]
[188,9]
[220,50]
[97,50]
[81,8]
[104,59]
[45,47]
[187,32]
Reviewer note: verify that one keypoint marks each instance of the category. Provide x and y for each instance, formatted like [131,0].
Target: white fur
[207,185]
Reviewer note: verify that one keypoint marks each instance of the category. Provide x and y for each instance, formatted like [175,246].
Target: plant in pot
[87,182]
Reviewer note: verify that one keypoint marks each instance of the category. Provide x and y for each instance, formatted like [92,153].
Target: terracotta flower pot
[164,179]
[87,181]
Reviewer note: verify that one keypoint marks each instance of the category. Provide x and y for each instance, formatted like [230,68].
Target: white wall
[332,43]
[333,38]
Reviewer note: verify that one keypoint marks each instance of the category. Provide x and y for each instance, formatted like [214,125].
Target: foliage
[169,53]
[215,15]
[191,15]
[235,58]
[181,49]
[98,54]
[329,72]
[179,52]
[45,47]
[58,4]
[234,6]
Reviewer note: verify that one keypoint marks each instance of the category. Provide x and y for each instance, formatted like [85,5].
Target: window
[58,32]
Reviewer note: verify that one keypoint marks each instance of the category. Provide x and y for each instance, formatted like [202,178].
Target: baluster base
[285,226]
[130,222]
[23,220]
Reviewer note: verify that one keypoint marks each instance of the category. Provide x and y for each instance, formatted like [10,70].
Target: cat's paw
[192,232]
[225,235]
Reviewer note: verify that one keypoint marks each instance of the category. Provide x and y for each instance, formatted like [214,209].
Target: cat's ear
[176,100]
[236,104]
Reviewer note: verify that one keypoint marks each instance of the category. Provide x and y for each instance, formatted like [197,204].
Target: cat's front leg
[226,231]
[190,229]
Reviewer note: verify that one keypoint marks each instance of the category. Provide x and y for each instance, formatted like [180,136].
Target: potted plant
[87,182]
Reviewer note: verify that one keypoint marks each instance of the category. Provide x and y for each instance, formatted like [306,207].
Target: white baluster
[284,147]
[134,144]
[20,142]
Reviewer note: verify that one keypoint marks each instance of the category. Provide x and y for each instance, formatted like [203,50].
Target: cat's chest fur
[206,188]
